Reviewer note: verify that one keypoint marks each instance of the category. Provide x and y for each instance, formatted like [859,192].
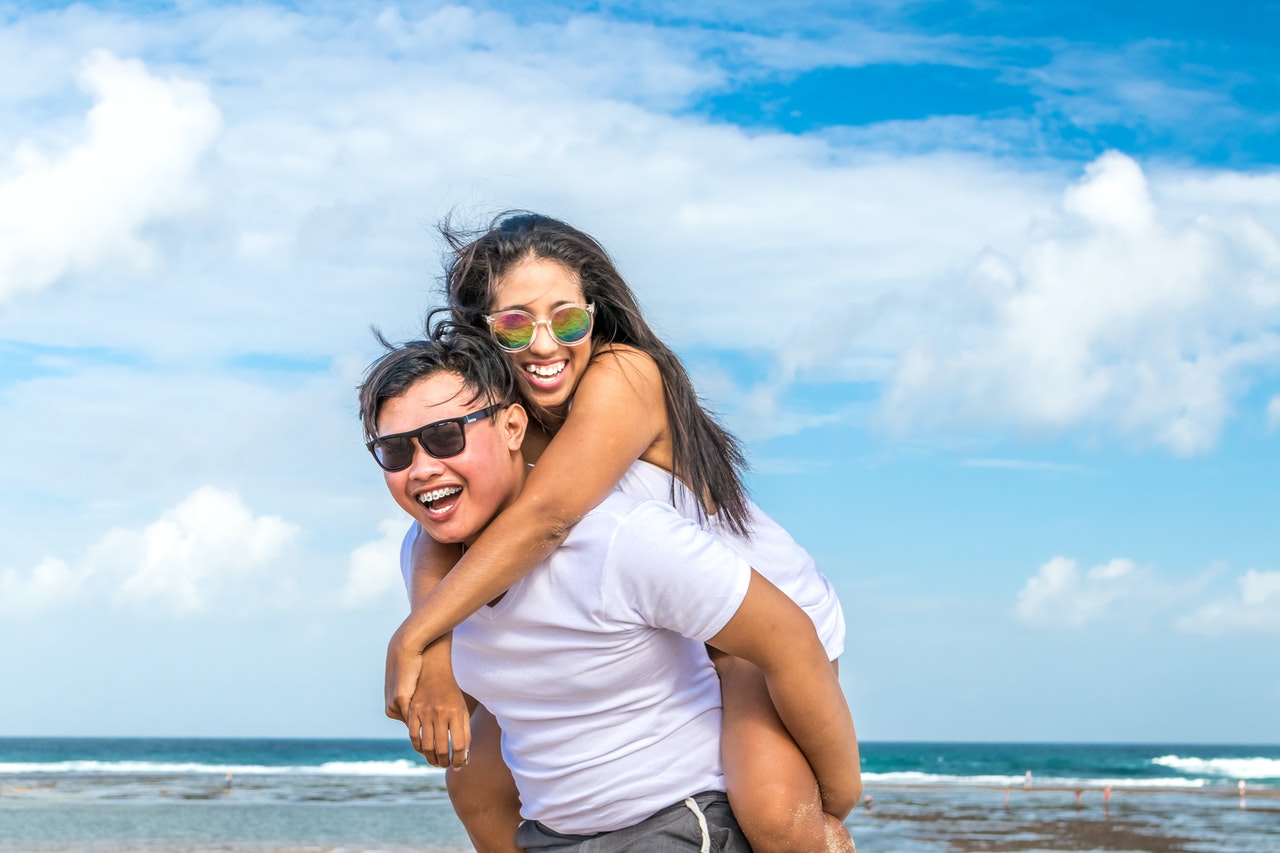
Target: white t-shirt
[769,549]
[595,668]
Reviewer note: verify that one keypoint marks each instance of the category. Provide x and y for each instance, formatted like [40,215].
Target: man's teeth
[545,370]
[436,494]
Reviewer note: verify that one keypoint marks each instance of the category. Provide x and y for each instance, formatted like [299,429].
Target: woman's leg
[483,794]
[771,787]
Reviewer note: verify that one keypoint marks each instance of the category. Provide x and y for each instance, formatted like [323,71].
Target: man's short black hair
[451,348]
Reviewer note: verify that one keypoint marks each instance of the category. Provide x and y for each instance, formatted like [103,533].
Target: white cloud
[1126,303]
[305,215]
[1273,412]
[84,207]
[196,551]
[374,575]
[49,585]
[339,137]
[1096,88]
[132,431]
[193,550]
[1255,608]
[1146,318]
[1059,596]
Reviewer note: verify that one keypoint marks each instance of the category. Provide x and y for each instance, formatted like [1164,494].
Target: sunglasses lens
[443,440]
[570,324]
[513,330]
[393,454]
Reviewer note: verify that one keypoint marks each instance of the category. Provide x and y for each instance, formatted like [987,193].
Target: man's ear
[514,422]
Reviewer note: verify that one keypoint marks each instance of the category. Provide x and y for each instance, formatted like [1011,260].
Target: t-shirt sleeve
[406,556]
[670,573]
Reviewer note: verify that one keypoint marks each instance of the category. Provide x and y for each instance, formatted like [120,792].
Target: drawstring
[702,824]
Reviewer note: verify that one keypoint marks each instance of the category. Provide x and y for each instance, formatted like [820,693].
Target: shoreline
[1092,787]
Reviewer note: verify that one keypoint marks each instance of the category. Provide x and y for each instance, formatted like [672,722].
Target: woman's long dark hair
[705,456]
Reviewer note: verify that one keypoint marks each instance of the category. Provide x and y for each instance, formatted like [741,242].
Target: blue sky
[990,290]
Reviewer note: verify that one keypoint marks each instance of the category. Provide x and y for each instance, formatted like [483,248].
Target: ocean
[99,794]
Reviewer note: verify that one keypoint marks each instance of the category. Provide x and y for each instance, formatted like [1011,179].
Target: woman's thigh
[771,787]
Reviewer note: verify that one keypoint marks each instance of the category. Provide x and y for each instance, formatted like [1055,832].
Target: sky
[990,291]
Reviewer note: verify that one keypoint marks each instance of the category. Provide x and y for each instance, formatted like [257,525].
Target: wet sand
[1150,820]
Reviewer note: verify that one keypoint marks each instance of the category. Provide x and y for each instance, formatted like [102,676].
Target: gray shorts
[702,822]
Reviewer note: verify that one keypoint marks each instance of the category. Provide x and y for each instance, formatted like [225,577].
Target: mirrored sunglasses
[514,330]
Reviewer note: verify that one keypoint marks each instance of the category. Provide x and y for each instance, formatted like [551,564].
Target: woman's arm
[619,414]
[772,632]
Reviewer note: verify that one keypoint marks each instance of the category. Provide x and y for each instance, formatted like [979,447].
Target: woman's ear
[514,422]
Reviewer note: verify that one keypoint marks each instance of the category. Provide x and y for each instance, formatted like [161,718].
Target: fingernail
[466,756]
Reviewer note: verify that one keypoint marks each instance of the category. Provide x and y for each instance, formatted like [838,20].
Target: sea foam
[397,767]
[914,777]
[1226,768]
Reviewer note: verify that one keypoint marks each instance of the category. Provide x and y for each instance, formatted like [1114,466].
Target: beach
[958,819]
[331,796]
[974,818]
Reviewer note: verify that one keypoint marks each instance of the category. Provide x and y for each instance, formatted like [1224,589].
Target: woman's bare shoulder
[626,361]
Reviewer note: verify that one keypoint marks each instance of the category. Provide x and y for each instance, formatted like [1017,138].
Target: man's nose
[424,464]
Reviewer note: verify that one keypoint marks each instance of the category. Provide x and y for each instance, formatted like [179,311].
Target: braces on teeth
[437,494]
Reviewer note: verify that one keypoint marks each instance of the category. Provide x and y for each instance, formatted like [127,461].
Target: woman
[615,408]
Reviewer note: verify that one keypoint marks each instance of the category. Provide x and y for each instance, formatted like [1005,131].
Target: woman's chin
[551,398]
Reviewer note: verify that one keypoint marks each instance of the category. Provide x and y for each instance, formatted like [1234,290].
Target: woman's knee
[777,819]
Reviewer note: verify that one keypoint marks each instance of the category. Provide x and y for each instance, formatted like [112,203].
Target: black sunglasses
[440,439]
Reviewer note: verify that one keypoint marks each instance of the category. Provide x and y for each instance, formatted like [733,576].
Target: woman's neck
[536,439]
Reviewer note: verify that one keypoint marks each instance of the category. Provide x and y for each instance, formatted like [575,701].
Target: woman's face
[551,369]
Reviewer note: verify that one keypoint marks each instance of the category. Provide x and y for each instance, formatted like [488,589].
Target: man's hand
[422,693]
[438,720]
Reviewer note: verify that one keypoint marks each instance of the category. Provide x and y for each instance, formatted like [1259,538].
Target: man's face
[455,498]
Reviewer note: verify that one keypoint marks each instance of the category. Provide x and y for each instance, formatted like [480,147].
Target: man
[594,664]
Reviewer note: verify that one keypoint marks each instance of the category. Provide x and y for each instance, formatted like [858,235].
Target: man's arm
[431,707]
[772,632]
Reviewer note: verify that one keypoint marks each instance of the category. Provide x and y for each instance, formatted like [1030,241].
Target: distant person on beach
[594,662]
[612,407]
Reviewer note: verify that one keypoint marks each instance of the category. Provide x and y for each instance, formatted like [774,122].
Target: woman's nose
[543,341]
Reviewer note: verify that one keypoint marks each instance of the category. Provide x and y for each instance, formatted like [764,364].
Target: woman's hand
[404,665]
